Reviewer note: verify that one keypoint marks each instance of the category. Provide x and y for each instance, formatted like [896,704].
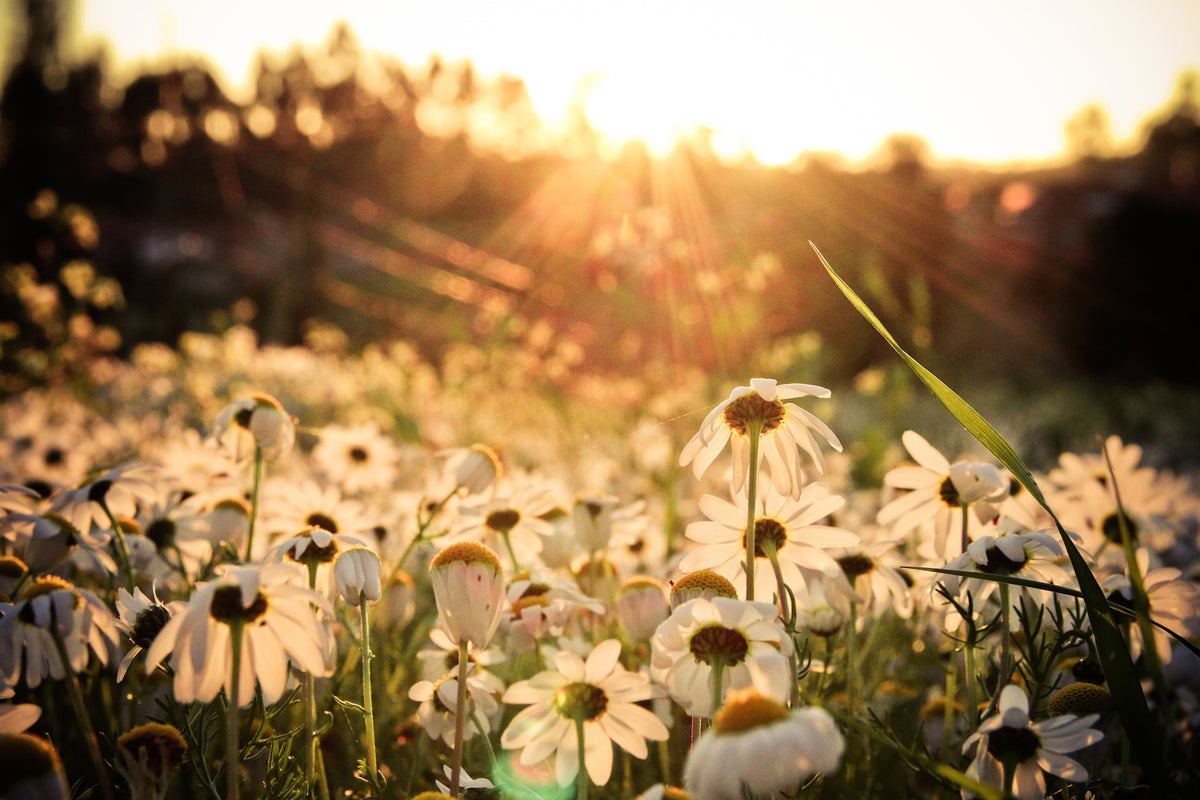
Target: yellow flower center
[467,553]
[45,585]
[747,709]
[580,701]
[704,582]
[1080,698]
[752,410]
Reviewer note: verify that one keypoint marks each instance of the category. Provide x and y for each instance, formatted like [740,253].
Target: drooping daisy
[278,626]
[703,639]
[789,526]
[940,494]
[1023,555]
[600,696]
[255,421]
[785,430]
[1011,752]
[51,608]
[871,571]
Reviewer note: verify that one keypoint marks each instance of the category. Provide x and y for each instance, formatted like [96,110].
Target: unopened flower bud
[358,576]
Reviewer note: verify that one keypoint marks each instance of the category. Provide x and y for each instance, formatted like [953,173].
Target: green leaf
[1145,737]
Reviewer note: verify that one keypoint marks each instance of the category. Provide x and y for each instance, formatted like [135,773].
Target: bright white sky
[986,81]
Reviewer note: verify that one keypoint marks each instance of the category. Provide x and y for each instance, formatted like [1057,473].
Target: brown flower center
[580,701]
[716,642]
[503,520]
[752,410]
[227,606]
[767,530]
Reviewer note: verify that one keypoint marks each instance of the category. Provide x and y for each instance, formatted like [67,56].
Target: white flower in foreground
[758,748]
[278,625]
[600,694]
[702,637]
[785,430]
[465,781]
[439,701]
[142,618]
[1008,739]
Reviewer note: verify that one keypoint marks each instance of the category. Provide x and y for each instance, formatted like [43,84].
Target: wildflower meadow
[238,570]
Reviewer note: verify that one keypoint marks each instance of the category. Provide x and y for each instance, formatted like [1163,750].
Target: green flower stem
[75,691]
[368,699]
[852,659]
[258,469]
[951,693]
[508,548]
[122,547]
[718,677]
[581,777]
[754,434]
[768,547]
[972,698]
[314,768]
[420,535]
[232,784]
[1006,645]
[460,714]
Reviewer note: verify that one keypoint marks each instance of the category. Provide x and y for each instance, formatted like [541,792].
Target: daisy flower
[1011,752]
[510,520]
[544,602]
[789,527]
[51,609]
[704,641]
[1173,602]
[786,430]
[941,493]
[442,658]
[357,458]
[438,700]
[465,781]
[291,506]
[1022,555]
[315,549]
[870,569]
[141,618]
[579,710]
[271,609]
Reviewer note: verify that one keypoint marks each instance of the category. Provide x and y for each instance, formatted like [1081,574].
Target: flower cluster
[295,594]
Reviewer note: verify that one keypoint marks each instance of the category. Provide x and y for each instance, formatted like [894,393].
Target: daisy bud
[229,521]
[31,768]
[468,586]
[255,421]
[593,521]
[476,468]
[1080,699]
[701,583]
[358,576]
[148,756]
[642,606]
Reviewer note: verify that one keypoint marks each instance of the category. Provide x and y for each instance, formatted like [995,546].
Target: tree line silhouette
[430,204]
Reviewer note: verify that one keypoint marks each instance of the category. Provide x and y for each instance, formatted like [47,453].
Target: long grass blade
[1145,737]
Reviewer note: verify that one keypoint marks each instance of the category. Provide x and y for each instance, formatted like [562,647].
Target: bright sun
[775,78]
